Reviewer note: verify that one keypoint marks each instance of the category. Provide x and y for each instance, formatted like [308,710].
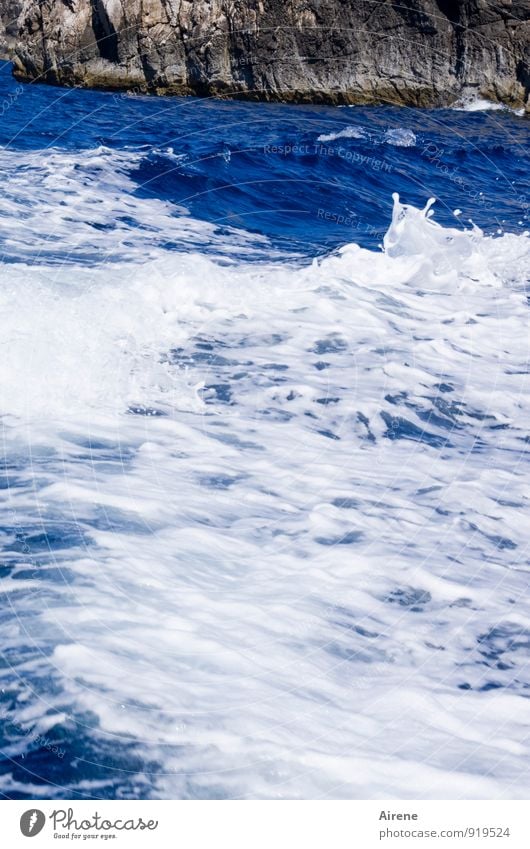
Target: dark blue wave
[262,168]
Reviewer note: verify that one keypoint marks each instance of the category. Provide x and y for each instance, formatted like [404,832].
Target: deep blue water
[264,499]
[262,168]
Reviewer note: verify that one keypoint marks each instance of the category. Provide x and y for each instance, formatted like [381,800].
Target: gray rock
[415,52]
[9,25]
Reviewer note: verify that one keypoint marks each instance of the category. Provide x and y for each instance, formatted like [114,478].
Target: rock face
[9,26]
[416,52]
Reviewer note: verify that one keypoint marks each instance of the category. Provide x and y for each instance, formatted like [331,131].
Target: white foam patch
[346,133]
[400,137]
[471,103]
[84,207]
[308,578]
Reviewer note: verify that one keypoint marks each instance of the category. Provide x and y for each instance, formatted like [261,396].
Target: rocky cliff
[418,52]
[9,26]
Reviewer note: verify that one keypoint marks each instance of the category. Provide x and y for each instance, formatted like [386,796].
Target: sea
[265,473]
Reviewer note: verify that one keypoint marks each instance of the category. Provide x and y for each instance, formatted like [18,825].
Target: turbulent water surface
[266,432]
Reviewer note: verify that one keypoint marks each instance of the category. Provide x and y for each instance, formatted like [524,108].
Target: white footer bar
[266,824]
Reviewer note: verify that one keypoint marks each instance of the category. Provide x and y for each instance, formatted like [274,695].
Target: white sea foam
[396,136]
[400,137]
[477,104]
[471,103]
[279,587]
[346,133]
[85,204]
